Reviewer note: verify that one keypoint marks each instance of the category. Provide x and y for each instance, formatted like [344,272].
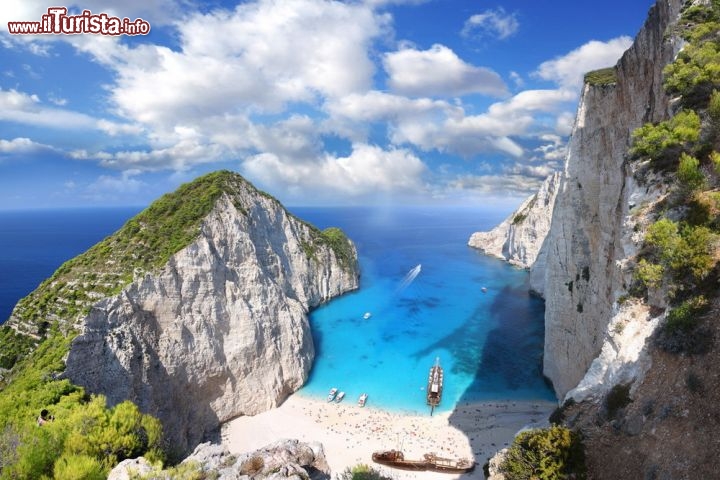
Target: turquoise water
[489,343]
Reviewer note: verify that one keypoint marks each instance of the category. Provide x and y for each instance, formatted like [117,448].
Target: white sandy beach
[349,434]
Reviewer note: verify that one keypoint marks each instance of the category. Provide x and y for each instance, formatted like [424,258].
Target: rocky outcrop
[519,238]
[587,242]
[221,330]
[285,459]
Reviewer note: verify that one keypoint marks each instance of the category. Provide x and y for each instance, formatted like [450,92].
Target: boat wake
[411,275]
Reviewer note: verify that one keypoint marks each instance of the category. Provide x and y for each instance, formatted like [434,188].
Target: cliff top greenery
[603,76]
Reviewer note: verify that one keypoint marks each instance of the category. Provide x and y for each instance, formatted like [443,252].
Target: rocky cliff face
[221,330]
[588,240]
[519,238]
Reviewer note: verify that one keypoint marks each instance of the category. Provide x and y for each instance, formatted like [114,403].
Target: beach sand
[349,434]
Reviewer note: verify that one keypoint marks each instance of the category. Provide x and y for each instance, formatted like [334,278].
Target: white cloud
[180,156]
[568,70]
[497,23]
[469,135]
[438,71]
[257,58]
[21,145]
[114,128]
[510,185]
[110,186]
[564,123]
[28,109]
[517,79]
[367,171]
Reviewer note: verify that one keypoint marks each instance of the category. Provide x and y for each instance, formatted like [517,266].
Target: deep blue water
[490,344]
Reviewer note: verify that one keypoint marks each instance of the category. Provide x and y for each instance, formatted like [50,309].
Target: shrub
[683,318]
[662,142]
[683,331]
[616,399]
[362,472]
[650,275]
[682,256]
[79,467]
[695,72]
[689,174]
[551,453]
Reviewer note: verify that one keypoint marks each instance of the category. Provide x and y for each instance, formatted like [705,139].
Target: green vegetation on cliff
[603,76]
[681,251]
[549,453]
[80,437]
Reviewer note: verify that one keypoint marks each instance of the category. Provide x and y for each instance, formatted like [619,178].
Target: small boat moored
[367,315]
[332,394]
[362,400]
[340,397]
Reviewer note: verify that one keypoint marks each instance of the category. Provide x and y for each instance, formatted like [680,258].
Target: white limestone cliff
[589,242]
[222,329]
[518,239]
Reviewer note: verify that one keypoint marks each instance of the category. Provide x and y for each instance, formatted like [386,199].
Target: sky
[464,102]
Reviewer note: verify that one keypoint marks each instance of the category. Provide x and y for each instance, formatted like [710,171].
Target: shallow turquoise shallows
[424,295]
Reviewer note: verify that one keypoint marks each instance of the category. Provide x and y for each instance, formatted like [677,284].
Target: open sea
[428,295]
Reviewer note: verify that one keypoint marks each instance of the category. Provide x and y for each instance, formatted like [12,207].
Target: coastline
[349,434]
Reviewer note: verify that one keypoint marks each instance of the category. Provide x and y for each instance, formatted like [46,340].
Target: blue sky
[316,102]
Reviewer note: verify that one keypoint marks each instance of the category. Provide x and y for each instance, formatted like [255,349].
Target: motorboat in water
[362,400]
[332,394]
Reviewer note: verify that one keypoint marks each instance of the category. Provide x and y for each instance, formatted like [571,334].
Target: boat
[367,315]
[396,459]
[435,385]
[448,465]
[331,395]
[340,397]
[430,462]
[362,399]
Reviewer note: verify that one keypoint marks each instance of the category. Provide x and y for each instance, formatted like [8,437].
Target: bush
[650,275]
[683,331]
[664,141]
[689,174]
[683,257]
[695,72]
[551,453]
[616,399]
[79,467]
[683,318]
[362,472]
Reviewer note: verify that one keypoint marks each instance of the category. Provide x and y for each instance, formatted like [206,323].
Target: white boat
[367,315]
[331,395]
[340,397]
[362,399]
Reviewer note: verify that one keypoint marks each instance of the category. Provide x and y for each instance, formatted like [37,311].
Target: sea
[424,297]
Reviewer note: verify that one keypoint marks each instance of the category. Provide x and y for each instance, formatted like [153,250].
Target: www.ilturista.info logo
[57,21]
